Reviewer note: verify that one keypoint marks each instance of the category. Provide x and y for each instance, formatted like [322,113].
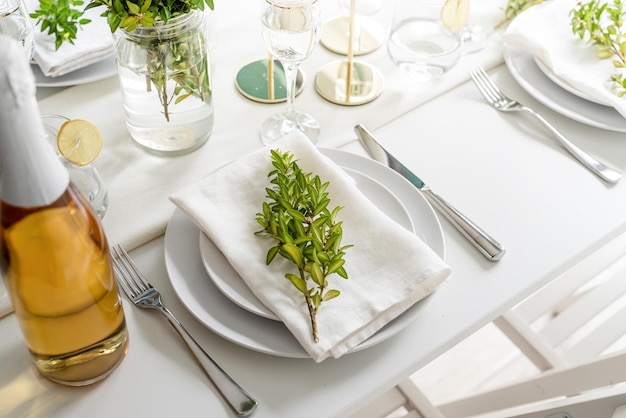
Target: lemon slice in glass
[79,141]
[454,14]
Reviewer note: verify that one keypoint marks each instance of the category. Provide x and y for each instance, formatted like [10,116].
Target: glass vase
[164,73]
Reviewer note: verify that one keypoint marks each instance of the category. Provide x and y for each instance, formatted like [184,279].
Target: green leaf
[335,265]
[294,253]
[271,254]
[297,282]
[331,294]
[317,274]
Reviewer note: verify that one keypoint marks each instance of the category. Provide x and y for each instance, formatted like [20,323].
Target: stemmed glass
[291,30]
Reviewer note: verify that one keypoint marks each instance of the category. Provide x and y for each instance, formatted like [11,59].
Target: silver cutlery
[501,102]
[144,295]
[488,246]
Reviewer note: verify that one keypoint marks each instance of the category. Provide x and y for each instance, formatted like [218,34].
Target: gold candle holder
[367,34]
[349,82]
[264,81]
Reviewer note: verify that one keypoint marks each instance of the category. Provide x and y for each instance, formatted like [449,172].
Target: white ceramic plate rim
[226,279]
[94,72]
[524,69]
[207,304]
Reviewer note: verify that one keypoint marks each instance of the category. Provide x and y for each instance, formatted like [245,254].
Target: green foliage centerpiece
[162,55]
[305,231]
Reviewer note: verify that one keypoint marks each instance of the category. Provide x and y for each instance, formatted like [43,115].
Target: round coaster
[336,35]
[253,82]
[331,83]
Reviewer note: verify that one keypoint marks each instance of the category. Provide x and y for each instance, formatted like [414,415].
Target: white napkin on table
[545,31]
[389,268]
[93,43]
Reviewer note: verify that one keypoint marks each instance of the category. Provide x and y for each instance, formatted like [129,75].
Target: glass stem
[291,74]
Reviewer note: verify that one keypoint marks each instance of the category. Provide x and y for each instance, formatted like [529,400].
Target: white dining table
[501,170]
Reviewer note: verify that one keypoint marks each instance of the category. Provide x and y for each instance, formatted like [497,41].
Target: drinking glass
[291,30]
[86,178]
[15,23]
[419,43]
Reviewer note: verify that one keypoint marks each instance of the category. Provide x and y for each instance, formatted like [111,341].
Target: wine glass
[291,30]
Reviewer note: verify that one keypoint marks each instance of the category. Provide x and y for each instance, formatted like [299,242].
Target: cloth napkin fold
[389,268]
[93,43]
[545,31]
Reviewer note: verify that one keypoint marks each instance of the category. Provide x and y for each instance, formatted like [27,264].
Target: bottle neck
[30,172]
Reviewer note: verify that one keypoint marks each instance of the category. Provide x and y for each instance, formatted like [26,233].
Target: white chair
[574,331]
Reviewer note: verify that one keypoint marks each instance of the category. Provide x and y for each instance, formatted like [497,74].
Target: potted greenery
[163,64]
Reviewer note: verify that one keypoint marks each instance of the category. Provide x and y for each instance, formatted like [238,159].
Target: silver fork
[143,295]
[499,101]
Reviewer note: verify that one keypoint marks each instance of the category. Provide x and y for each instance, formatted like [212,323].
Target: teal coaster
[252,82]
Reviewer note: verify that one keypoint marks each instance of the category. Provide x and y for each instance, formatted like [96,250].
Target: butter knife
[488,246]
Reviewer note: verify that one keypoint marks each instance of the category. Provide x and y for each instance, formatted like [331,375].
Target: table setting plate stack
[561,70]
[215,293]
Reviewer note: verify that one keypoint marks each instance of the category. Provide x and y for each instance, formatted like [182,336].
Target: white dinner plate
[524,69]
[94,72]
[233,286]
[200,296]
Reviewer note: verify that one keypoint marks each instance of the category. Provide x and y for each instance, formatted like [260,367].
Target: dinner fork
[501,102]
[144,295]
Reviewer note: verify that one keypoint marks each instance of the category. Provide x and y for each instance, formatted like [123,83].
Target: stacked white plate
[557,94]
[217,296]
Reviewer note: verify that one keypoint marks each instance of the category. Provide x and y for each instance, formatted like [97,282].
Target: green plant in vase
[175,57]
[163,64]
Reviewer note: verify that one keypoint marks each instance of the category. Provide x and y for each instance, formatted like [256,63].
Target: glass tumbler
[86,178]
[419,43]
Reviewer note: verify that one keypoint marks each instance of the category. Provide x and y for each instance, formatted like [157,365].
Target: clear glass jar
[164,73]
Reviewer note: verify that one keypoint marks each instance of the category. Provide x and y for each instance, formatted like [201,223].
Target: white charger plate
[205,301]
[526,72]
[94,72]
[234,287]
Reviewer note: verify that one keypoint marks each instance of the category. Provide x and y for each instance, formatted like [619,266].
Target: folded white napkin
[545,31]
[5,302]
[93,43]
[389,268]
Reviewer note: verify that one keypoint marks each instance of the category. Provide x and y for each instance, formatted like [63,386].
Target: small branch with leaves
[305,231]
[601,24]
[61,19]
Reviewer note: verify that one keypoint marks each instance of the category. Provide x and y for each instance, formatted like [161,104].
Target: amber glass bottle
[54,255]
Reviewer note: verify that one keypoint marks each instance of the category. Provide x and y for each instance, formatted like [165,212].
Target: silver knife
[488,246]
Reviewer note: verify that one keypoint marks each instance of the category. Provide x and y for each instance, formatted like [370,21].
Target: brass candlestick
[264,81]
[367,34]
[349,82]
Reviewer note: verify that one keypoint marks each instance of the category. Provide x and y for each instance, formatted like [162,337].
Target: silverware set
[144,295]
[502,103]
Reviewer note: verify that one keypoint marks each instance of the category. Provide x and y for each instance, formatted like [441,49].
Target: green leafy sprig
[305,231]
[60,18]
[601,24]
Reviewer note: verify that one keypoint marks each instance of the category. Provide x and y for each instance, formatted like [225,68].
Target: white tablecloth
[139,183]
